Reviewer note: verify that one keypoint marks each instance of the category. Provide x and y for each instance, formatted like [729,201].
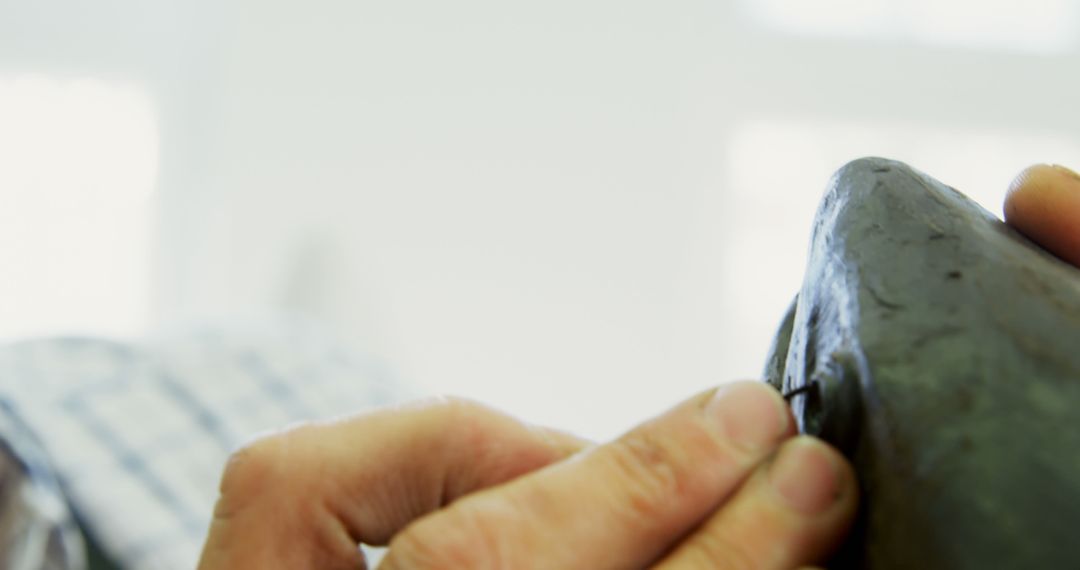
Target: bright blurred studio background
[577,211]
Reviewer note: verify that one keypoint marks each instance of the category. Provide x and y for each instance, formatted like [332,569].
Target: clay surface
[940,351]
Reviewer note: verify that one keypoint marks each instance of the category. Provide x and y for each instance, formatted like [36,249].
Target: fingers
[620,505]
[792,511]
[306,497]
[1043,203]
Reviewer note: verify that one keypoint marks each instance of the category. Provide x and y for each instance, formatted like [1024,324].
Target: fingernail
[805,476]
[751,414]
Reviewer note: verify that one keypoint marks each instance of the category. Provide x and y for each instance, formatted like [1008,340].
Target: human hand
[716,482]
[1043,203]
[452,484]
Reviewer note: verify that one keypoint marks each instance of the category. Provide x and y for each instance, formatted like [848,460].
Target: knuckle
[651,472]
[467,424]
[253,468]
[714,550]
[409,549]
[453,406]
[460,411]
[453,539]
[245,467]
[461,416]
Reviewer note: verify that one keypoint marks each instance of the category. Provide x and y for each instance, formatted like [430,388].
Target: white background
[577,211]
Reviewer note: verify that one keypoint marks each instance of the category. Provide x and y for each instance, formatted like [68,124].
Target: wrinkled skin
[936,348]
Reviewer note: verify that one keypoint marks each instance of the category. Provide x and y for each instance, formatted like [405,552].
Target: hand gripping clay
[939,350]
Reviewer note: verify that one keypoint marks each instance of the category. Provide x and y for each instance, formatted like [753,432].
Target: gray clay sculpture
[939,350]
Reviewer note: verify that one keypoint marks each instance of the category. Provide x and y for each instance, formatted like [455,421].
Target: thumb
[1043,203]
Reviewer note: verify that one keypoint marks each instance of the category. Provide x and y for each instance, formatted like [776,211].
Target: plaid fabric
[139,434]
[37,531]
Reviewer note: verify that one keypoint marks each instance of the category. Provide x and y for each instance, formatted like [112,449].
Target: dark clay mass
[939,350]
